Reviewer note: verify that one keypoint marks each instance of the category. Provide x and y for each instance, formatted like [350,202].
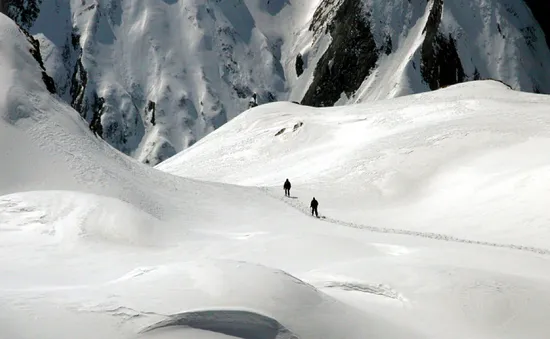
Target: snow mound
[466,157]
[70,216]
[251,300]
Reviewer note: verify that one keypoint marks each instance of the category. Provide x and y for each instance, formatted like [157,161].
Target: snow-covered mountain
[153,77]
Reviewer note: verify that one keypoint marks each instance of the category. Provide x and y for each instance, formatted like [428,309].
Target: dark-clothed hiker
[314,204]
[286,186]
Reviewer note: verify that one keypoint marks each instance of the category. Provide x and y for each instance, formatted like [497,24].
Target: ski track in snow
[296,204]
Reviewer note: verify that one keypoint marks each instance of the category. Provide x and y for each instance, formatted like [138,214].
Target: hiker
[313,205]
[286,186]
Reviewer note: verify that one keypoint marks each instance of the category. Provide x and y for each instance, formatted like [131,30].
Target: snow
[94,244]
[460,161]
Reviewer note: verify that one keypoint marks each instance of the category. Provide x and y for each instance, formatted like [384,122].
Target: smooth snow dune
[461,161]
[69,216]
[236,298]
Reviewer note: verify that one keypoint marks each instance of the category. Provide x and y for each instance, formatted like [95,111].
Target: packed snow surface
[94,244]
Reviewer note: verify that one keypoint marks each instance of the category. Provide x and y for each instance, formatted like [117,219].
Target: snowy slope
[466,158]
[154,77]
[92,231]
[95,244]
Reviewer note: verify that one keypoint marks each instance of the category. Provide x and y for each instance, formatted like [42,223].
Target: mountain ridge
[153,78]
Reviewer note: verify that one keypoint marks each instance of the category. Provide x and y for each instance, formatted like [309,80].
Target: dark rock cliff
[441,65]
[541,10]
[350,57]
[23,12]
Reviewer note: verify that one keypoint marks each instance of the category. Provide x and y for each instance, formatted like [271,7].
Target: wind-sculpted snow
[70,217]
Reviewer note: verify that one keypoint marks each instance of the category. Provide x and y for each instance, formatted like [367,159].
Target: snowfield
[94,244]
[468,161]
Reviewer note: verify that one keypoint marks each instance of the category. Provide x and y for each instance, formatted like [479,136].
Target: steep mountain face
[153,77]
[417,45]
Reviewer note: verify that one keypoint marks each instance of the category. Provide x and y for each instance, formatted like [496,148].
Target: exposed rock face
[299,65]
[24,12]
[35,52]
[350,57]
[441,65]
[540,10]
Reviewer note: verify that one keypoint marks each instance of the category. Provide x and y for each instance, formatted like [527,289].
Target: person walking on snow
[313,205]
[286,186]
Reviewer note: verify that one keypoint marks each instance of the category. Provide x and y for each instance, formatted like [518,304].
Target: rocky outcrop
[540,10]
[78,86]
[299,65]
[98,107]
[35,52]
[350,57]
[151,108]
[441,65]
[90,110]
[23,12]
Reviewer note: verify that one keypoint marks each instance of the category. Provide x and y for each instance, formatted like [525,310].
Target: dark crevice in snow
[299,65]
[97,109]
[151,107]
[477,76]
[281,131]
[441,65]
[236,323]
[78,87]
[350,57]
[388,46]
